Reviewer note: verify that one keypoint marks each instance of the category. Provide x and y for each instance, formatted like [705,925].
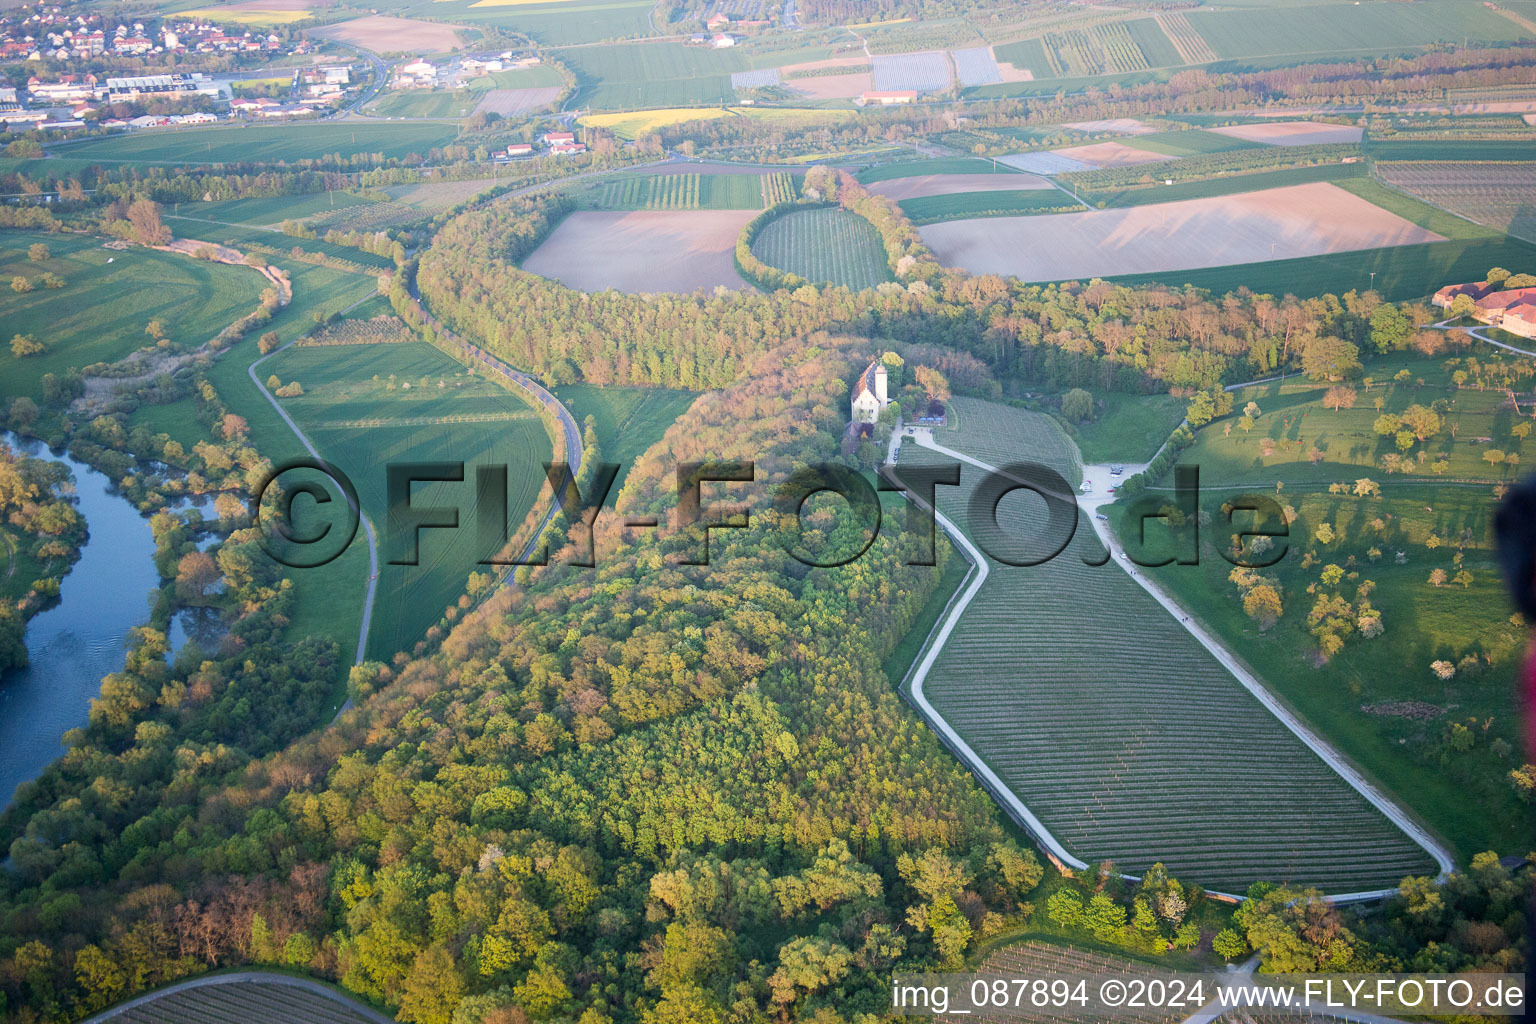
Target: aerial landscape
[736,511]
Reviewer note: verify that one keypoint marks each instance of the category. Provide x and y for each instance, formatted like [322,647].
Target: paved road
[238,977]
[1090,502]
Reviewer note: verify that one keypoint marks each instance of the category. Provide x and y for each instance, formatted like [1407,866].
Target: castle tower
[880,394]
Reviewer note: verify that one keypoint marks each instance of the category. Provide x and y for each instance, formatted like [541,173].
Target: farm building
[869,395]
[559,138]
[1513,309]
[520,149]
[887,97]
[723,40]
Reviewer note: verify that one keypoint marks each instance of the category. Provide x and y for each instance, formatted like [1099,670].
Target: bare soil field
[858,61]
[1273,224]
[1118,125]
[384,34]
[1292,133]
[1110,154]
[643,251]
[513,102]
[833,87]
[1047,162]
[948,184]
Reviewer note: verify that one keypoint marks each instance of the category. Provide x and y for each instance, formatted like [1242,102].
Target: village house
[869,395]
[1513,309]
[559,138]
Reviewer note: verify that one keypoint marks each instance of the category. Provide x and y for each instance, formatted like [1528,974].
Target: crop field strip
[826,245]
[931,209]
[1192,47]
[1102,49]
[682,192]
[976,66]
[1118,732]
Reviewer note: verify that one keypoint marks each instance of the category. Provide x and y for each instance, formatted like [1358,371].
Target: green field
[940,165]
[555,24]
[1188,143]
[629,420]
[825,246]
[1026,53]
[1118,730]
[1154,42]
[928,209]
[370,406]
[101,312]
[278,144]
[1462,794]
[425,103]
[626,76]
[542,76]
[1129,428]
[1452,149]
[238,235]
[676,192]
[1345,27]
[271,210]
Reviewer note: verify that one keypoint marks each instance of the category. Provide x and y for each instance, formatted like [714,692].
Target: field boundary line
[238,977]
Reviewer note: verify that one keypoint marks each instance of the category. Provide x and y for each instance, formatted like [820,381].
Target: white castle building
[869,395]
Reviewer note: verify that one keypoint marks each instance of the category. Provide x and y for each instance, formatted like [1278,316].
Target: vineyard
[680,192]
[1191,45]
[830,246]
[1102,49]
[779,187]
[379,330]
[1496,195]
[1044,960]
[220,1000]
[1118,731]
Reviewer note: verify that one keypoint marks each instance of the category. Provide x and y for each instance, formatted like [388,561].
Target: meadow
[629,420]
[101,312]
[246,236]
[276,144]
[1119,731]
[1377,698]
[1128,428]
[271,210]
[369,406]
[919,168]
[828,245]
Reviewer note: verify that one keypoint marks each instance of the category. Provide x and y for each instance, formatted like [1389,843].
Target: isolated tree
[1464,578]
[1340,397]
[1324,533]
[26,345]
[37,252]
[1437,578]
[1365,487]
[1443,670]
[267,342]
[233,427]
[1077,405]
[1262,604]
[20,285]
[144,216]
[1327,358]
[1423,421]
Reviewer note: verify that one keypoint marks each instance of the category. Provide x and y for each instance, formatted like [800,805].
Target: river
[81,638]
